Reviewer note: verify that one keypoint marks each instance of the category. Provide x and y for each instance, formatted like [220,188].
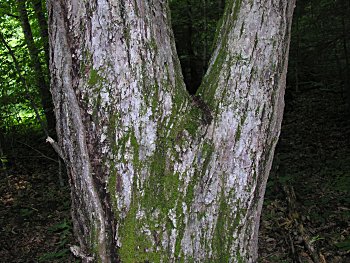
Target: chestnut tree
[157,175]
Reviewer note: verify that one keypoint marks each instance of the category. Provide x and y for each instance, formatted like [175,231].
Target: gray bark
[157,175]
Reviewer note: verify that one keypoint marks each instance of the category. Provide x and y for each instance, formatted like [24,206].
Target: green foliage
[344,245]
[26,212]
[54,255]
[15,99]
[64,229]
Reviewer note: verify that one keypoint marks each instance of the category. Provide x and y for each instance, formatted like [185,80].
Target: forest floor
[306,213]
[34,209]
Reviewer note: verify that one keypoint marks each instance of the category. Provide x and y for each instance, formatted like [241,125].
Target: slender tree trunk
[40,80]
[346,55]
[156,175]
[40,15]
[297,52]
[24,83]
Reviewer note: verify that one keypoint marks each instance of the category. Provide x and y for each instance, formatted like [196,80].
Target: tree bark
[40,81]
[157,175]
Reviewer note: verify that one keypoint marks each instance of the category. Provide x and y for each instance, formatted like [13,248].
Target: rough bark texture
[158,175]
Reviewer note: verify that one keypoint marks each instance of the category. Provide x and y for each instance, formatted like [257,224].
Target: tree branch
[43,155]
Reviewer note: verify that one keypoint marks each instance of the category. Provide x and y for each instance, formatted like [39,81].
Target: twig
[294,215]
[28,157]
[55,146]
[49,139]
[43,155]
[323,228]
[268,255]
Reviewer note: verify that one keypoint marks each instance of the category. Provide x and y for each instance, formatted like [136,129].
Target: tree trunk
[346,55]
[40,15]
[157,175]
[40,81]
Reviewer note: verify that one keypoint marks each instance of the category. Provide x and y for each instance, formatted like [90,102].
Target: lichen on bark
[158,175]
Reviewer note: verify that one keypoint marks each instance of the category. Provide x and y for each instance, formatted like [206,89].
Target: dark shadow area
[306,211]
[194,23]
[34,207]
[307,204]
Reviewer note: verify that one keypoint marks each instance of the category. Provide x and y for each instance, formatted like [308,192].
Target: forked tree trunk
[157,175]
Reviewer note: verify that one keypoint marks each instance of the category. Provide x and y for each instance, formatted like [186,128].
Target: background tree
[25,35]
[40,77]
[319,53]
[155,174]
[42,23]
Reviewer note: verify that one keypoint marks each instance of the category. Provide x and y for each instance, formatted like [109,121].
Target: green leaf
[344,245]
